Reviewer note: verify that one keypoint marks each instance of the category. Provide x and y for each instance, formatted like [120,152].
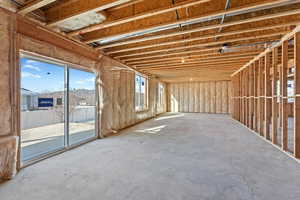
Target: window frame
[67,66]
[146,98]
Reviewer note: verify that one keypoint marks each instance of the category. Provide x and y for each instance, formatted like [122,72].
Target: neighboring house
[82,97]
[79,97]
[29,100]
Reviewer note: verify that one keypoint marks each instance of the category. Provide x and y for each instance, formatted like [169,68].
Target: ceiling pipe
[227,6]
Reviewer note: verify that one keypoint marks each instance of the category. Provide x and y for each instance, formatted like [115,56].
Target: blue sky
[41,77]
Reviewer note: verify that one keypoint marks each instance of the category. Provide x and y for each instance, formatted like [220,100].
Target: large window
[58,105]
[160,94]
[141,93]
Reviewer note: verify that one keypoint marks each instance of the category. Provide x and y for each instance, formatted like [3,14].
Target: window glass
[140,92]
[58,105]
[82,105]
[42,115]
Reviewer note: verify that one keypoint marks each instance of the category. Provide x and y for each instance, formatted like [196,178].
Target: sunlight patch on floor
[154,130]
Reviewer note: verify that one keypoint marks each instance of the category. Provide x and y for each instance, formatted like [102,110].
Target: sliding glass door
[58,105]
[82,105]
[42,116]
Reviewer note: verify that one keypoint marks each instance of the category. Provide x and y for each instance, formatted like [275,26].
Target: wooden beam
[177,59]
[34,5]
[243,77]
[246,99]
[221,63]
[260,97]
[230,65]
[210,36]
[211,51]
[199,52]
[195,61]
[8,5]
[240,95]
[255,111]
[205,28]
[32,30]
[279,43]
[138,16]
[125,5]
[274,96]
[243,39]
[251,94]
[283,89]
[297,98]
[267,94]
[136,28]
[73,9]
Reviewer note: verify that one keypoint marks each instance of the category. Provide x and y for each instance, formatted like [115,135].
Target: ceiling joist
[73,9]
[195,56]
[34,5]
[169,39]
[209,36]
[195,61]
[269,37]
[209,27]
[137,17]
[136,28]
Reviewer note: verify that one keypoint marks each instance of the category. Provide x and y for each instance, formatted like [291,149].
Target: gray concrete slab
[46,139]
[176,156]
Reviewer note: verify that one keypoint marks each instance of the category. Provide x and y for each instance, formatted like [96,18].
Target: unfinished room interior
[150,99]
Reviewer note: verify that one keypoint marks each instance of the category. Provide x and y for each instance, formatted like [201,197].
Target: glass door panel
[82,106]
[42,107]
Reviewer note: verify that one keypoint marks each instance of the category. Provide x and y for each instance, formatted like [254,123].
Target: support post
[267,94]
[251,94]
[255,96]
[242,98]
[297,96]
[274,96]
[246,97]
[283,85]
[261,98]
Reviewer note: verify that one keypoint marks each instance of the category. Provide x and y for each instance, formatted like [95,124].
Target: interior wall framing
[270,101]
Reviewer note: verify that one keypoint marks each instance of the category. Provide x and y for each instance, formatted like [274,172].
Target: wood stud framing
[137,33]
[131,31]
[297,97]
[260,93]
[274,96]
[267,94]
[283,90]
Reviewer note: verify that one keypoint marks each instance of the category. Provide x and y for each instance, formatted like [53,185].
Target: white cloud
[80,82]
[31,61]
[90,79]
[31,75]
[85,81]
[32,67]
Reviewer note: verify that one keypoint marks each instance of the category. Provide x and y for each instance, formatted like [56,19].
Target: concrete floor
[178,156]
[42,140]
